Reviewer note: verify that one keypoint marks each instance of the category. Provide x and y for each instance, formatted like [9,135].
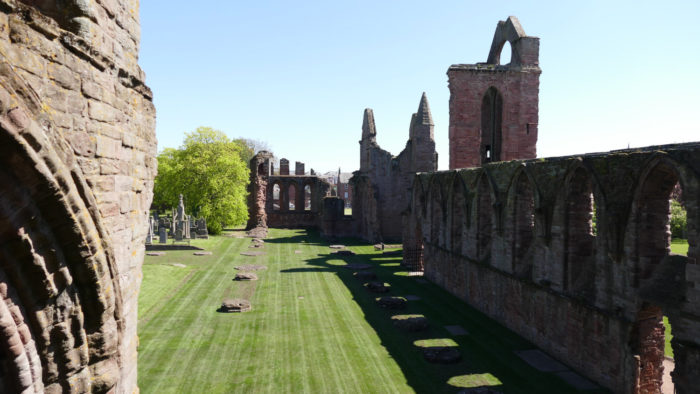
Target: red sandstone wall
[520,91]
[582,297]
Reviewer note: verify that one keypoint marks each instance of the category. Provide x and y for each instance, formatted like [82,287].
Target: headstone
[162,235]
[180,215]
[149,235]
[202,231]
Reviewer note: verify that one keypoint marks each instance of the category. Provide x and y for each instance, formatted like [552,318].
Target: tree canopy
[211,172]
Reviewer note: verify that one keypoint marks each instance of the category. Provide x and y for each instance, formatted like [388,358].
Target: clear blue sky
[299,74]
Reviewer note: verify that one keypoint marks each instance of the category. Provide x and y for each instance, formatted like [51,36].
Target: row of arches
[291,196]
[573,241]
[467,218]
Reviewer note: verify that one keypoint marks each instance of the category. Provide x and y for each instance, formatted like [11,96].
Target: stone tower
[381,188]
[422,139]
[494,107]
[77,163]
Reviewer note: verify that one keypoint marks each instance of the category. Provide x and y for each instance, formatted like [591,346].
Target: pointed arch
[648,240]
[580,231]
[437,213]
[522,222]
[491,123]
[484,216]
[55,256]
[459,215]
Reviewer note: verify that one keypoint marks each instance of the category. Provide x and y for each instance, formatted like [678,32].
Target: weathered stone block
[107,147]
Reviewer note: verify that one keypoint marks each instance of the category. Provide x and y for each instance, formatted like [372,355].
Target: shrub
[679,220]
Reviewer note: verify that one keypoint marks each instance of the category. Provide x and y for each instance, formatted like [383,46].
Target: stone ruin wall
[512,89]
[77,163]
[261,212]
[515,240]
[381,188]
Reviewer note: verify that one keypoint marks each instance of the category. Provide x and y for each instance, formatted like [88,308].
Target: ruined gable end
[493,106]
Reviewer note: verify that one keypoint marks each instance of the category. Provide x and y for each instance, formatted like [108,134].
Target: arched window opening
[653,220]
[292,191]
[581,230]
[491,119]
[679,220]
[458,217]
[523,227]
[276,194]
[307,198]
[506,54]
[657,217]
[484,218]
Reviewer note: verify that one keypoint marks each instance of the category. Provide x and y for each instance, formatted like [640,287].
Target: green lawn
[678,246]
[314,328]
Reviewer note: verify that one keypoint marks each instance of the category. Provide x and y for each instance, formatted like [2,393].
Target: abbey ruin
[571,253]
[77,163]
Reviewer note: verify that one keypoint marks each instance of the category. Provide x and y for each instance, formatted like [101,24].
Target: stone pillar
[298,168]
[284,167]
[260,170]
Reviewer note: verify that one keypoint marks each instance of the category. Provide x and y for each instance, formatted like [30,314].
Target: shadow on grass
[487,361]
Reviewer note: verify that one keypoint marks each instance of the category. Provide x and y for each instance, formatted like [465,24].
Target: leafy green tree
[210,172]
[679,220]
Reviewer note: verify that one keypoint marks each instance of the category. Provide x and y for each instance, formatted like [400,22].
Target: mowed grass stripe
[334,340]
[325,347]
[185,311]
[340,325]
[356,337]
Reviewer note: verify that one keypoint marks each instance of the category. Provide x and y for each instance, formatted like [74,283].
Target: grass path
[314,328]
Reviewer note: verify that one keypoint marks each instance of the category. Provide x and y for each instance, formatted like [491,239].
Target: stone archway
[61,302]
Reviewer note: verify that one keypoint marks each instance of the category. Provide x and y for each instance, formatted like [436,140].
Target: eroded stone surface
[156,254]
[244,276]
[235,305]
[410,322]
[389,302]
[203,253]
[77,163]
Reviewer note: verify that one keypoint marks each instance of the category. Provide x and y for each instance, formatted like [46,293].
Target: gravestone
[149,235]
[202,231]
[162,234]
